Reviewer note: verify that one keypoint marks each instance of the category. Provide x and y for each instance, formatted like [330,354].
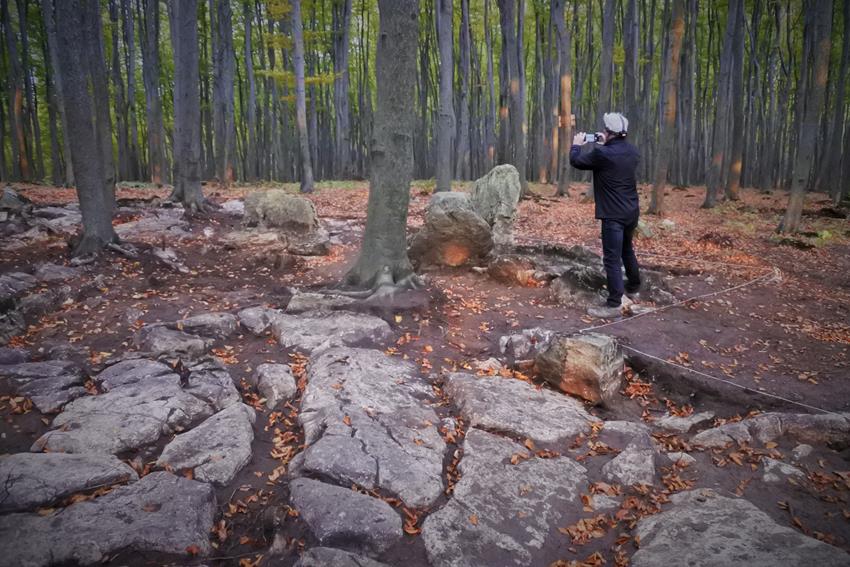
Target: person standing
[613,161]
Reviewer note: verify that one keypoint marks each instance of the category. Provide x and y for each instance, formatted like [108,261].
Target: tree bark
[251,159]
[52,62]
[93,192]
[224,69]
[490,119]
[384,248]
[733,182]
[810,121]
[512,52]
[462,160]
[157,163]
[342,133]
[446,117]
[565,74]
[32,120]
[671,75]
[183,17]
[118,88]
[300,98]
[838,122]
[20,156]
[130,70]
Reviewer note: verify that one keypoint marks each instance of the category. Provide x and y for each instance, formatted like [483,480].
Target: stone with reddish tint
[588,366]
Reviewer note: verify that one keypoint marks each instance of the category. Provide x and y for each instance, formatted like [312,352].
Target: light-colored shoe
[604,311]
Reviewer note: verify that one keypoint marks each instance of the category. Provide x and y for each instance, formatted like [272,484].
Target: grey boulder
[495,197]
[517,408]
[210,325]
[337,328]
[161,512]
[501,513]
[304,302]
[55,273]
[634,465]
[216,449]
[720,531]
[328,556]
[31,480]
[453,233]
[158,340]
[50,384]
[275,383]
[341,517]
[589,366]
[258,320]
[525,344]
[684,424]
[130,372]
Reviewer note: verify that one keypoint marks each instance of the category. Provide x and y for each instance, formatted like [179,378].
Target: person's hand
[578,139]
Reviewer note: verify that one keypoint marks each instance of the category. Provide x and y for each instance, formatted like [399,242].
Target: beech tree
[183,17]
[383,254]
[446,117]
[92,168]
[300,99]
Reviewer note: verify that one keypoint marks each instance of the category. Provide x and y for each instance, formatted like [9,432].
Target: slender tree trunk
[834,149]
[52,63]
[20,156]
[511,52]
[74,52]
[32,121]
[446,117]
[719,135]
[118,90]
[490,119]
[810,121]
[183,17]
[606,65]
[462,161]
[157,164]
[56,166]
[130,71]
[252,168]
[565,74]
[671,74]
[733,183]
[384,249]
[342,133]
[224,70]
[300,98]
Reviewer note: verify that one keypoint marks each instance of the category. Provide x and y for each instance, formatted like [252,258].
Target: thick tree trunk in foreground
[301,98]
[384,249]
[183,17]
[94,194]
[157,164]
[446,117]
[671,74]
[810,121]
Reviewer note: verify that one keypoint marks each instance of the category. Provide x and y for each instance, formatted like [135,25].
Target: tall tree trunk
[719,133]
[118,89]
[810,121]
[32,120]
[511,52]
[462,161]
[251,160]
[565,76]
[490,119]
[20,156]
[606,64]
[52,62]
[183,17]
[631,40]
[300,98]
[834,180]
[224,69]
[733,182]
[74,54]
[446,117]
[384,248]
[157,163]
[130,71]
[671,74]
[342,133]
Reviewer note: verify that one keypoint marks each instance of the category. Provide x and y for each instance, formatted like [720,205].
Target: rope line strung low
[730,383]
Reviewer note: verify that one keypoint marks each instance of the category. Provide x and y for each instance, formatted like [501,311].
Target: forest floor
[789,338]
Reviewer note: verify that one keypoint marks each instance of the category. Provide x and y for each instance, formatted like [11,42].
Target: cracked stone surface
[819,429]
[130,372]
[517,407]
[55,273]
[217,449]
[589,366]
[124,418]
[514,506]
[777,471]
[258,320]
[275,383]
[328,556]
[722,531]
[161,512]
[304,302]
[684,424]
[341,517]
[634,465]
[50,384]
[322,330]
[158,340]
[211,325]
[32,480]
[374,408]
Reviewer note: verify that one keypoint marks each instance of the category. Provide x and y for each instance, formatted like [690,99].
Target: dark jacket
[614,167]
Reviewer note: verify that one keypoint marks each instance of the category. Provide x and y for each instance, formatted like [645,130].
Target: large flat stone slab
[31,480]
[158,340]
[337,328]
[130,372]
[703,529]
[502,514]
[162,512]
[328,556]
[517,408]
[361,407]
[124,418]
[217,449]
[817,429]
[341,517]
[50,384]
[214,325]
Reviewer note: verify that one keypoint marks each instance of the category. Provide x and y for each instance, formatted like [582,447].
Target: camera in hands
[592,138]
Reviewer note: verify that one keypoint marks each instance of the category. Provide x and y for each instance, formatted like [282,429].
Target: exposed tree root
[385,286]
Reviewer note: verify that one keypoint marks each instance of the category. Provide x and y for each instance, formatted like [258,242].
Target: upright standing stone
[588,366]
[495,197]
[453,234]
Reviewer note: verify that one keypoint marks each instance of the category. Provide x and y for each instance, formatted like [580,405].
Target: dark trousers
[617,251]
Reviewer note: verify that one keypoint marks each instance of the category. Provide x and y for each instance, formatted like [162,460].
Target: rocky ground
[191,399]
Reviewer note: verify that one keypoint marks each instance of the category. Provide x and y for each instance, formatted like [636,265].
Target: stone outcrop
[453,233]
[495,197]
